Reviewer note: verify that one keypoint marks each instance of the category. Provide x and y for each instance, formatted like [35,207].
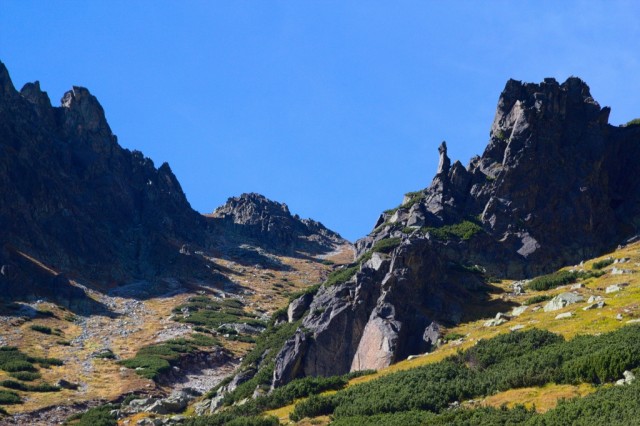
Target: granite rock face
[75,200]
[76,205]
[254,218]
[555,184]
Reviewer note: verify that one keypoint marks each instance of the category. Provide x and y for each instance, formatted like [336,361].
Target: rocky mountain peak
[83,113]
[6,85]
[556,184]
[35,95]
[270,223]
[251,209]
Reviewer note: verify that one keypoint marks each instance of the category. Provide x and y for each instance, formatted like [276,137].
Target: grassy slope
[104,379]
[625,303]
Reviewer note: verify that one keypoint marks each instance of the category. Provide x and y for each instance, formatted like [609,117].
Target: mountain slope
[556,184]
[85,208]
[104,265]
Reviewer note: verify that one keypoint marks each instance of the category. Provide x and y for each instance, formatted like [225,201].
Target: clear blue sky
[334,107]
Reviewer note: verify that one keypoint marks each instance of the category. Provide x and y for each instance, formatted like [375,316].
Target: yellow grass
[625,302]
[542,398]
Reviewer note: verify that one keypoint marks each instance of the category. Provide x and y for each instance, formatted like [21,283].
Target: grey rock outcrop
[269,224]
[74,200]
[555,184]
[562,300]
[298,307]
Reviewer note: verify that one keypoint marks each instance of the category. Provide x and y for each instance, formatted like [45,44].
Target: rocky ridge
[254,218]
[555,184]
[75,205]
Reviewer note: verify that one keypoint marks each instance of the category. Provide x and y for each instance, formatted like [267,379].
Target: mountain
[556,184]
[76,205]
[111,285]
[164,298]
[252,218]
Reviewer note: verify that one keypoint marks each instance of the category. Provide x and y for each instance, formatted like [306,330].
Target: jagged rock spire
[445,162]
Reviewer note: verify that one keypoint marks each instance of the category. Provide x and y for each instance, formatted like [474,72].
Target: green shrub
[383,246]
[43,387]
[508,361]
[313,406]
[464,230]
[453,336]
[206,312]
[41,328]
[341,275]
[98,416]
[536,299]
[8,397]
[222,420]
[309,290]
[556,279]
[18,365]
[600,264]
[25,376]
[414,198]
[106,354]
[46,362]
[267,346]
[148,366]
[386,245]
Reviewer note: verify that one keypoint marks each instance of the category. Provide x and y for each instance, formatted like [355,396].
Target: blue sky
[334,107]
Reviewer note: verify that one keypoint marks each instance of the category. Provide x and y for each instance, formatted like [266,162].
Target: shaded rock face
[76,205]
[555,184]
[254,218]
[74,199]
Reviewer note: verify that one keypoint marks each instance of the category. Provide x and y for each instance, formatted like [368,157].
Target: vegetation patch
[262,357]
[42,387]
[600,264]
[205,312]
[508,361]
[152,361]
[413,198]
[20,365]
[41,329]
[8,397]
[98,416]
[557,279]
[464,230]
[225,420]
[453,336]
[25,376]
[537,299]
[383,246]
[283,396]
[341,275]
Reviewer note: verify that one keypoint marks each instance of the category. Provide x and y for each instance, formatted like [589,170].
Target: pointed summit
[6,85]
[445,162]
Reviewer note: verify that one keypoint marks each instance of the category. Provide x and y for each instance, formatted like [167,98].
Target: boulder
[516,312]
[628,378]
[612,289]
[174,403]
[298,307]
[288,365]
[562,300]
[594,302]
[432,335]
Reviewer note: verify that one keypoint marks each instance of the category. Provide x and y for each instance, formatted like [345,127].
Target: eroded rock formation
[555,184]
